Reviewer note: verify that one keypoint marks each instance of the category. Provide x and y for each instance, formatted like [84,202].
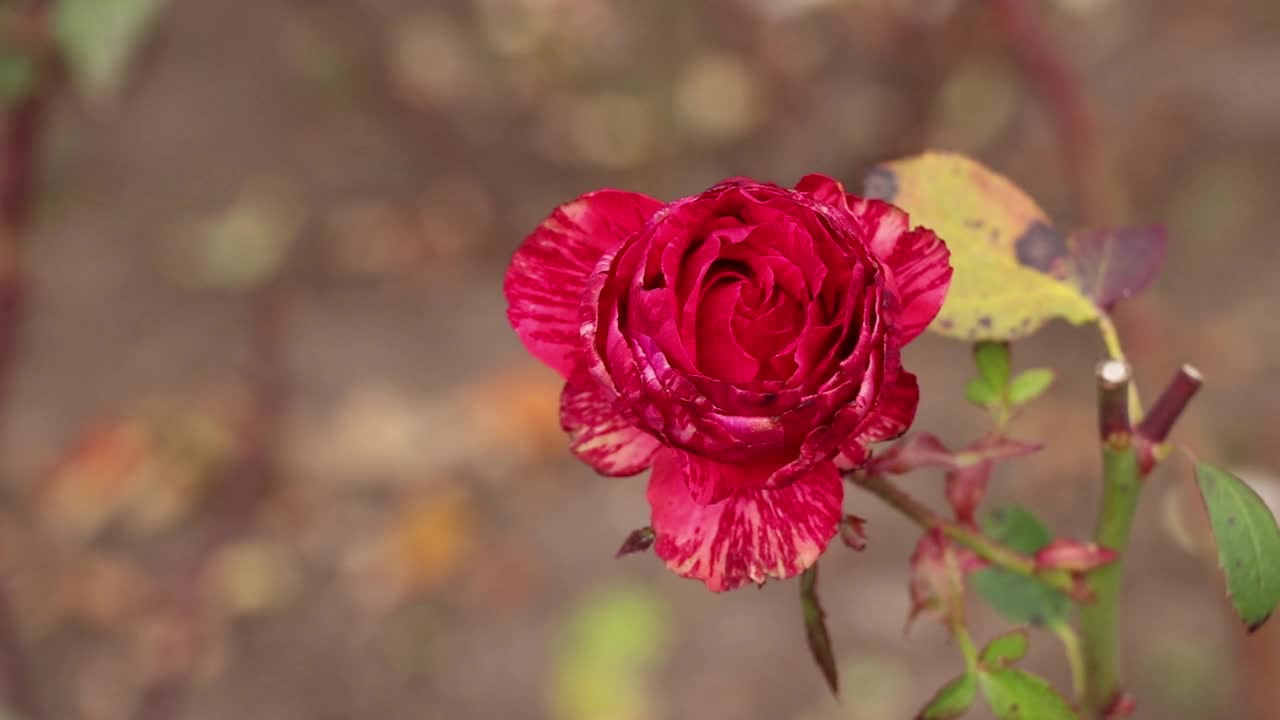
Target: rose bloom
[743,343]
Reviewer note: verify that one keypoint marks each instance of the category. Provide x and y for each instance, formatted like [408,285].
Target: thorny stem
[984,547]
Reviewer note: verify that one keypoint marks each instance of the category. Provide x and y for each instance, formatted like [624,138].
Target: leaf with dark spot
[1011,274]
[1042,248]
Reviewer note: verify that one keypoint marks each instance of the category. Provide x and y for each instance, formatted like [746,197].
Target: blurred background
[270,449]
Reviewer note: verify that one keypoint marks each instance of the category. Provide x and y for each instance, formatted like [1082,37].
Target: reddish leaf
[993,449]
[925,450]
[937,577]
[638,541]
[965,489]
[1117,263]
[909,453]
[967,481]
[853,531]
[1074,556]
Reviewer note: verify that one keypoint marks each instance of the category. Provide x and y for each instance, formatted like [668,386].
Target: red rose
[742,342]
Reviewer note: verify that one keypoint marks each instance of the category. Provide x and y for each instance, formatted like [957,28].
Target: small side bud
[853,531]
[638,541]
[1123,705]
[1074,556]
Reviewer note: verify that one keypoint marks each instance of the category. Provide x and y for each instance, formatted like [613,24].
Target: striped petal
[600,435]
[710,482]
[750,536]
[895,412]
[548,273]
[918,262]
[891,417]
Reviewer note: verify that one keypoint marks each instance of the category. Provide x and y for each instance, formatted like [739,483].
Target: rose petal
[708,482]
[719,352]
[895,412]
[890,418]
[598,434]
[748,537]
[548,273]
[823,189]
[918,262]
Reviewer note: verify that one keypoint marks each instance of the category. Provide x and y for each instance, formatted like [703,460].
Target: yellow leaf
[1013,270]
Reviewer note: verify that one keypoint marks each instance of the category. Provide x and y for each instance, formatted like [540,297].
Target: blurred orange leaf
[431,539]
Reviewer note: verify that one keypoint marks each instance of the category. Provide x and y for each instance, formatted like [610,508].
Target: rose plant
[744,346]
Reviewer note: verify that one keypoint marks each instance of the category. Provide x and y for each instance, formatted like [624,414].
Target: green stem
[1075,659]
[960,632]
[984,547]
[1121,486]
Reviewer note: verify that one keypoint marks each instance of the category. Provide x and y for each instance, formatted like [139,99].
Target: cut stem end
[1114,377]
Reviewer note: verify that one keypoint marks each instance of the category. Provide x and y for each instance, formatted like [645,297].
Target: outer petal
[891,417]
[918,262]
[598,434]
[823,189]
[896,411]
[548,273]
[753,535]
[709,482]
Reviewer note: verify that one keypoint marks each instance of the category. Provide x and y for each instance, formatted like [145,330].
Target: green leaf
[992,361]
[1019,598]
[17,76]
[978,392]
[952,701]
[815,628]
[1005,649]
[1248,543]
[1017,528]
[1016,695]
[1013,270]
[99,37]
[1029,385]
